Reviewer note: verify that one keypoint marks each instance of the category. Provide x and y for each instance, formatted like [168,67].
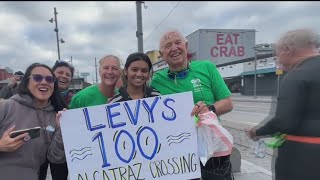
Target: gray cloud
[94,29]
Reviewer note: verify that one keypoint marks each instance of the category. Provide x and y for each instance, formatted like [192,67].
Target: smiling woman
[109,72]
[36,104]
[137,72]
[64,74]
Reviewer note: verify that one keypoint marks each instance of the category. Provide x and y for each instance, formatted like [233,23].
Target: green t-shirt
[203,79]
[90,96]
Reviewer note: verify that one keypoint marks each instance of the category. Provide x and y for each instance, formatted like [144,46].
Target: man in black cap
[10,89]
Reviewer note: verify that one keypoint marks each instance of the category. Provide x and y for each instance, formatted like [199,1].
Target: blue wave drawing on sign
[177,139]
[80,158]
[80,154]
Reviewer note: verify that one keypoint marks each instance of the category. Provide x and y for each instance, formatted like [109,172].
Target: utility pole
[71,60]
[139,33]
[95,64]
[56,30]
[255,76]
[263,48]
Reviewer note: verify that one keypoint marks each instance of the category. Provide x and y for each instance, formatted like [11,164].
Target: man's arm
[223,106]
[56,149]
[220,91]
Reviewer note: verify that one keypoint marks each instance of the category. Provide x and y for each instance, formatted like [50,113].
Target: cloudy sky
[94,29]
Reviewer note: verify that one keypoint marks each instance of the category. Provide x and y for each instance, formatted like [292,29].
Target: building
[78,84]
[221,45]
[154,55]
[234,52]
[4,82]
[5,73]
[240,77]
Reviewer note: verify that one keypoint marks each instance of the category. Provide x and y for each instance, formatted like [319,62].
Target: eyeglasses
[39,78]
[179,75]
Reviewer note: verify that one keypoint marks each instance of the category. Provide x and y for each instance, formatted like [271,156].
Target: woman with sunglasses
[136,73]
[35,105]
[64,74]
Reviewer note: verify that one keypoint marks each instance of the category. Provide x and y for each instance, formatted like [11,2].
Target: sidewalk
[251,171]
[243,98]
[252,167]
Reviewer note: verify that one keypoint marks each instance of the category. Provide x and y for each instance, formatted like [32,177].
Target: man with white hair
[210,93]
[297,117]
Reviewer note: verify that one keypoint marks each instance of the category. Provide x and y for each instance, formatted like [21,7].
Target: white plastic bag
[259,148]
[213,139]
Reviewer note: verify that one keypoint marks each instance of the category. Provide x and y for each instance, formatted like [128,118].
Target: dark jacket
[7,91]
[298,113]
[123,95]
[66,96]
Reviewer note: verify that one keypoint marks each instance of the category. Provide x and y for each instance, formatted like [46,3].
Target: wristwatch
[211,108]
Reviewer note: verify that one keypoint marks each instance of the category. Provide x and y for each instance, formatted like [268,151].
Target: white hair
[300,38]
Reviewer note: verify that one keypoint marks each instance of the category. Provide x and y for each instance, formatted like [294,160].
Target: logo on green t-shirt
[197,87]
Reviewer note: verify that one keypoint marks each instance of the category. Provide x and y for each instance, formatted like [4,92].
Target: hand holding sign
[133,140]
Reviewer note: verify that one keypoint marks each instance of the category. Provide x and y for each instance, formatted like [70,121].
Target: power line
[163,20]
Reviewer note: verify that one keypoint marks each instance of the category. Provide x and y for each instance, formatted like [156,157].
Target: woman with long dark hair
[35,105]
[137,72]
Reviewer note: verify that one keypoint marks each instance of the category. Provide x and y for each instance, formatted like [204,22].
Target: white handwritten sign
[152,138]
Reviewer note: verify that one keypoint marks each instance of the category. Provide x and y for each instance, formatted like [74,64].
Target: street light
[57,30]
[267,48]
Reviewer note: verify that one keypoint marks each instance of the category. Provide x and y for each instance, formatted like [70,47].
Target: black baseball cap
[19,73]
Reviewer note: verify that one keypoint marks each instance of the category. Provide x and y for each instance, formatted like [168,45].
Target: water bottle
[259,148]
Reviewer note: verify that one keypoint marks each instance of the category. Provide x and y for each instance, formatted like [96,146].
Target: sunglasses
[180,75]
[39,78]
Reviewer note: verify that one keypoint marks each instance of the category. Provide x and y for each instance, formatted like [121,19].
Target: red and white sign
[222,45]
[223,50]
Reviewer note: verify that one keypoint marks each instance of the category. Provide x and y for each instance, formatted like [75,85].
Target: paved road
[246,113]
[250,113]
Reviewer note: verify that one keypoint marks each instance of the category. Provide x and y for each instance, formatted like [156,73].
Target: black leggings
[58,171]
